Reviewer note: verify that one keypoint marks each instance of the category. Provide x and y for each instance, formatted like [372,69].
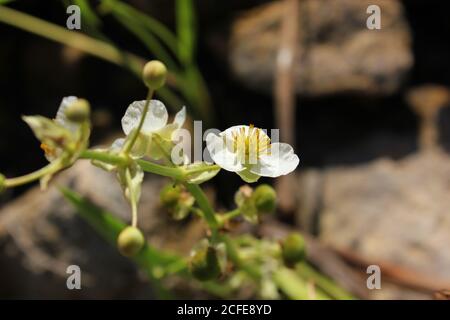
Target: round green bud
[293,248]
[169,195]
[154,74]
[204,264]
[2,182]
[130,241]
[79,111]
[265,199]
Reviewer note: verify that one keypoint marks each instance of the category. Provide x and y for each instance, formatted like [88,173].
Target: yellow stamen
[251,143]
[49,151]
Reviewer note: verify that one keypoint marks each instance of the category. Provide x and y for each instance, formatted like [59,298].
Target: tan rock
[336,51]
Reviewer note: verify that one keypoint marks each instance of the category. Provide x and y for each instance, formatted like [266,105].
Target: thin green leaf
[294,286]
[84,43]
[90,22]
[186,30]
[326,284]
[146,38]
[193,87]
[109,227]
[160,30]
[88,13]
[74,39]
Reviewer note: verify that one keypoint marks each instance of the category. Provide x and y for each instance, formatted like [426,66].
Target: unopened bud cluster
[253,203]
[176,200]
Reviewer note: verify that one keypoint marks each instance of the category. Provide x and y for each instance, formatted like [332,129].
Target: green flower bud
[154,74]
[204,264]
[169,195]
[293,248]
[265,199]
[243,195]
[244,201]
[130,241]
[79,111]
[2,182]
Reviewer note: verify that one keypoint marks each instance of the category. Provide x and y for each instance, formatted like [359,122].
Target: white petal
[280,162]
[139,149]
[166,132]
[117,145]
[61,113]
[221,154]
[155,119]
[228,133]
[157,150]
[180,117]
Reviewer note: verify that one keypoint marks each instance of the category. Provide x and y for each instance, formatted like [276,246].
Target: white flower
[155,127]
[249,152]
[62,140]
[55,134]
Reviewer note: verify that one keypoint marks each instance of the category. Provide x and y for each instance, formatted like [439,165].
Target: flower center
[250,144]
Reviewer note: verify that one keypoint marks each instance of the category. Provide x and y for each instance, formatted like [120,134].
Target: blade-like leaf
[157,28]
[109,227]
[147,38]
[149,259]
[186,30]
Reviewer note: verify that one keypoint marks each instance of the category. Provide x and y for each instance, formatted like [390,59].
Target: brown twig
[284,92]
[427,101]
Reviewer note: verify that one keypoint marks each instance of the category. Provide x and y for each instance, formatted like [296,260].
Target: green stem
[211,219]
[228,216]
[322,282]
[51,168]
[104,157]
[292,286]
[201,169]
[204,205]
[171,172]
[235,257]
[133,200]
[231,214]
[134,135]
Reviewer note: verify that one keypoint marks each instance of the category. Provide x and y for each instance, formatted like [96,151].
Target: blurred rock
[386,211]
[41,234]
[336,51]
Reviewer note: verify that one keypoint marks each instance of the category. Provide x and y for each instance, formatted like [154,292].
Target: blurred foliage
[158,264]
[176,50]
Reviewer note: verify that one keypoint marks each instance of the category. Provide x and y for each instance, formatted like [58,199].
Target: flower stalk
[50,169]
[130,143]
